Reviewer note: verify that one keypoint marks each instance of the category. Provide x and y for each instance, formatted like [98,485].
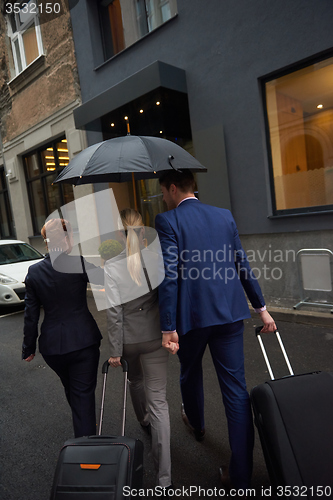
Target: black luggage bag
[100,467]
[294,417]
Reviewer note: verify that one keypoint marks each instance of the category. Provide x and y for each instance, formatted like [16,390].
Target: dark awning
[157,74]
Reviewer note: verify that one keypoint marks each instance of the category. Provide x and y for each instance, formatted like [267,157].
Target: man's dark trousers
[78,373]
[226,346]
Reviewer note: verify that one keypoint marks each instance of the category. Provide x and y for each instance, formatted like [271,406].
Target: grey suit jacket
[132,311]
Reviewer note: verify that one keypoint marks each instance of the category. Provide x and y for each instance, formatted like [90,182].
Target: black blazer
[68,324]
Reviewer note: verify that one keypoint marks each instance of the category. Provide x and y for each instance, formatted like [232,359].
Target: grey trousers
[147,373]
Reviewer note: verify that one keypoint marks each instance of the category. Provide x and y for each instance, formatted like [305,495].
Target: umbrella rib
[146,149]
[90,157]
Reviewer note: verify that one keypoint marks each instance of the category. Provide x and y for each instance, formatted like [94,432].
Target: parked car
[15,259]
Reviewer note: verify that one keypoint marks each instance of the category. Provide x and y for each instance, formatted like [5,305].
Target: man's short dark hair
[183,180]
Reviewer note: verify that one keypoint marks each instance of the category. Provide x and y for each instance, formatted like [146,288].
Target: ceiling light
[112,124]
[161,131]
[125,117]
[320,106]
[158,103]
[141,110]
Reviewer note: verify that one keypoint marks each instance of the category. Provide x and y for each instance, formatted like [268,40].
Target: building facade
[39,92]
[245,86]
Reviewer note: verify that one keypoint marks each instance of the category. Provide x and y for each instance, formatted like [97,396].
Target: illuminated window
[25,35]
[41,168]
[300,123]
[124,22]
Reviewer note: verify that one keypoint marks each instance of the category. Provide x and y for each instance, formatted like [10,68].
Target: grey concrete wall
[273,260]
[225,47]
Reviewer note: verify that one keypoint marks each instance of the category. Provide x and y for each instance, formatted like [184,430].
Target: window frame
[105,32]
[292,68]
[32,19]
[42,177]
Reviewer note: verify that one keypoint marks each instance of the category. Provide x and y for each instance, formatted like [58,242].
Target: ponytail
[133,255]
[132,222]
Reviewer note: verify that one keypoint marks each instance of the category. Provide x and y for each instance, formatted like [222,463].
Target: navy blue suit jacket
[206,269]
[68,324]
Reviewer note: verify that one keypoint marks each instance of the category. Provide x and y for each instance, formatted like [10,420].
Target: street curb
[295,316]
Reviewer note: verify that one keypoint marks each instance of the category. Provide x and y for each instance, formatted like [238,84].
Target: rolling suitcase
[100,467]
[294,417]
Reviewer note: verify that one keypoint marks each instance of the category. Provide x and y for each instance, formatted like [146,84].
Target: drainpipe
[8,190]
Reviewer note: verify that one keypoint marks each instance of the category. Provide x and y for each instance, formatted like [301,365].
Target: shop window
[6,218]
[300,123]
[124,22]
[41,168]
[24,33]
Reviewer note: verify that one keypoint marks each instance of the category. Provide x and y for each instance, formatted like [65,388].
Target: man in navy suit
[202,303]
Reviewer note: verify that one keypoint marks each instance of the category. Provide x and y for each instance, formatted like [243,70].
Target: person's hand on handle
[268,321]
[114,362]
[170,342]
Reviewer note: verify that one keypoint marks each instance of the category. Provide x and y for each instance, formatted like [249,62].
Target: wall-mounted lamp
[128,126]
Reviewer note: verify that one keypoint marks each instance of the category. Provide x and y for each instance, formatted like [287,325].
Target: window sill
[301,214]
[28,74]
[35,237]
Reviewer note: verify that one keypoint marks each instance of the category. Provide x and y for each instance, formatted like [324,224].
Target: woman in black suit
[70,339]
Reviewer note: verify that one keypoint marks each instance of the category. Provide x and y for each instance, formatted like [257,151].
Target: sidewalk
[282,310]
[309,315]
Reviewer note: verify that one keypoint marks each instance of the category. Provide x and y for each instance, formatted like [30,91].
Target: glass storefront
[300,121]
[160,113]
[41,168]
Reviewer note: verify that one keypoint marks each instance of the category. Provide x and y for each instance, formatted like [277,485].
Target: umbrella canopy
[116,160]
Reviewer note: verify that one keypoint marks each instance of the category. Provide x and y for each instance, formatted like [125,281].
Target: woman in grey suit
[134,333]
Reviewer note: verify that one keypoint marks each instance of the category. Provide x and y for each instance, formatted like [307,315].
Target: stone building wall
[38,92]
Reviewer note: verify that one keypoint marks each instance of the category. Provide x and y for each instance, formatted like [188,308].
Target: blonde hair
[57,235]
[132,221]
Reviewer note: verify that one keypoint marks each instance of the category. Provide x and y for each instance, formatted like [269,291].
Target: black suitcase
[100,467]
[294,417]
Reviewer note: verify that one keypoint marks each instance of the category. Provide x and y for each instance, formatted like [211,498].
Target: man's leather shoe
[198,433]
[225,478]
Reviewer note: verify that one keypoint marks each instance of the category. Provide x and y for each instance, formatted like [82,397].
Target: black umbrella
[127,158]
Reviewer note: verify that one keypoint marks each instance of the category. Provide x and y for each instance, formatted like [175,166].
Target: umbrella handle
[172,158]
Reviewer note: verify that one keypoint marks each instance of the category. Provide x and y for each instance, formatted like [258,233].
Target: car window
[18,252]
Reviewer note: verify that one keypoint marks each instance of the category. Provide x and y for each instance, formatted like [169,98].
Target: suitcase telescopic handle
[105,369]
[258,330]
[124,364]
